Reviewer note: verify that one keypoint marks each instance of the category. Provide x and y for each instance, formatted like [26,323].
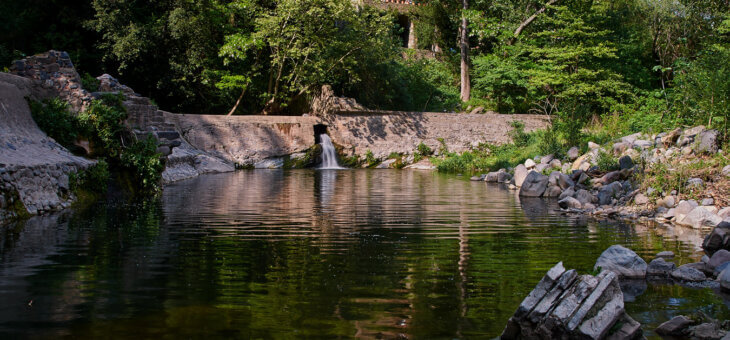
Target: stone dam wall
[254,139]
[383,132]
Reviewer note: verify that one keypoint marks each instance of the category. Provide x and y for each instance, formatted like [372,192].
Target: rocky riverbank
[565,305]
[680,177]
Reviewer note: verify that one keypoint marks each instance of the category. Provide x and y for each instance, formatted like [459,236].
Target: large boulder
[684,208]
[718,239]
[707,142]
[688,273]
[660,267]
[609,192]
[623,261]
[565,305]
[534,185]
[520,174]
[700,217]
[724,279]
[674,327]
[719,257]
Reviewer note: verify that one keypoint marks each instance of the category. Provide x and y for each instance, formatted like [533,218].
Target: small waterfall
[329,156]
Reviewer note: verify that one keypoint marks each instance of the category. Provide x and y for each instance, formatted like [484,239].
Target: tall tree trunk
[465,81]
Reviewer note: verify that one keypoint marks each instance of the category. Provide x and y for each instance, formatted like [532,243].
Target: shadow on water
[271,254]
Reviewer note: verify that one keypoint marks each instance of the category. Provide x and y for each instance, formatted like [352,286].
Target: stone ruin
[565,305]
[326,103]
[55,71]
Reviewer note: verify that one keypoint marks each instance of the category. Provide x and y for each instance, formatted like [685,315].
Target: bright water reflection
[297,254]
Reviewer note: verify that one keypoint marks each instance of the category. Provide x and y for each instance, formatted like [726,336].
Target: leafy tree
[300,53]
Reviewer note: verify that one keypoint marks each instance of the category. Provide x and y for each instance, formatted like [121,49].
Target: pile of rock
[565,305]
[699,327]
[581,186]
[56,72]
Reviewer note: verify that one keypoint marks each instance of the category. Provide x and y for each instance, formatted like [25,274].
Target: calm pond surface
[313,254]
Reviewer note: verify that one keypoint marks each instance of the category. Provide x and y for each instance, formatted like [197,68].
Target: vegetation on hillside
[610,67]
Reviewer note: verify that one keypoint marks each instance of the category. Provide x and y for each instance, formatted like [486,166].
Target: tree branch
[529,20]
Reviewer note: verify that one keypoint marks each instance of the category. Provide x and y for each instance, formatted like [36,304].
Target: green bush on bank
[101,125]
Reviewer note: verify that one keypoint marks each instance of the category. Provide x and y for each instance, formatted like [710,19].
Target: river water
[313,254]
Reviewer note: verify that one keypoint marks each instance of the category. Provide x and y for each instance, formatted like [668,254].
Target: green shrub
[518,135]
[54,118]
[93,180]
[89,83]
[102,123]
[145,164]
[424,150]
[606,162]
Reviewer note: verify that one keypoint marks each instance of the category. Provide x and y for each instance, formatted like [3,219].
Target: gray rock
[667,202]
[707,142]
[689,274]
[685,207]
[567,193]
[520,175]
[674,327]
[552,191]
[556,164]
[386,164]
[571,306]
[718,239]
[707,331]
[570,203]
[700,217]
[620,147]
[541,167]
[503,177]
[481,177]
[583,196]
[609,192]
[695,183]
[547,159]
[564,181]
[708,201]
[724,279]
[593,146]
[643,144]
[719,269]
[622,261]
[631,138]
[534,185]
[625,162]
[726,171]
[719,257]
[640,199]
[573,153]
[492,177]
[667,254]
[660,267]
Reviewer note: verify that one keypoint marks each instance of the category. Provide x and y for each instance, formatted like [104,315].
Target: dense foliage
[617,66]
[98,132]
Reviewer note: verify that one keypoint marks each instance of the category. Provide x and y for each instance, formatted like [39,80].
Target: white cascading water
[329,156]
